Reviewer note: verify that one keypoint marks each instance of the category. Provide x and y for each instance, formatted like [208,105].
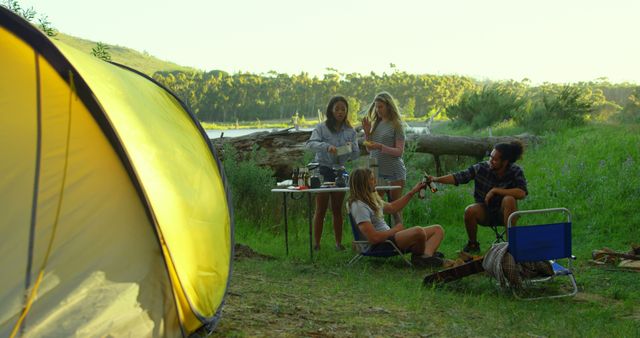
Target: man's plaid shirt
[485,179]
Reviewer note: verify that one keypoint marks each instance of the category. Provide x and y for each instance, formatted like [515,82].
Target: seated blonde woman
[367,208]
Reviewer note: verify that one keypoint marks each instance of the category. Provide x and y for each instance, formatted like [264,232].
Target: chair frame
[358,243]
[499,234]
[558,269]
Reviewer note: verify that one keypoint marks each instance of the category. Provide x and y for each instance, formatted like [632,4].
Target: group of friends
[499,183]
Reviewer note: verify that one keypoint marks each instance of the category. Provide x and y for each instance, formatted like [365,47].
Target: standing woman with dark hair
[334,142]
[385,141]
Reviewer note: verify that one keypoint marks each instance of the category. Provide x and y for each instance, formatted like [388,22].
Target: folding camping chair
[385,249]
[498,230]
[543,242]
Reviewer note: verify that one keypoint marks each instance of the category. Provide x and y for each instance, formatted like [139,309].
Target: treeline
[218,96]
[221,97]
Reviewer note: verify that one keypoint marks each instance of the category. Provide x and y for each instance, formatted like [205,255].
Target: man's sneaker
[472,247]
[425,261]
[438,254]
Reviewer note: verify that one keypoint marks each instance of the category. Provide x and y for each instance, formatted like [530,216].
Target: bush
[631,111]
[557,107]
[493,104]
[250,185]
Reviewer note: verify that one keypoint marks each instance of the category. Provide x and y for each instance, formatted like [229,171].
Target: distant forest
[218,96]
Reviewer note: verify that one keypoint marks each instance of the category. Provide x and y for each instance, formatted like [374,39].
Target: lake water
[215,133]
[241,132]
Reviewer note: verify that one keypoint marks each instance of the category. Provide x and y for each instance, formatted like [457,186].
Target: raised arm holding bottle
[499,184]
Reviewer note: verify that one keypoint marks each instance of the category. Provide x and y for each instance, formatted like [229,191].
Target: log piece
[285,148]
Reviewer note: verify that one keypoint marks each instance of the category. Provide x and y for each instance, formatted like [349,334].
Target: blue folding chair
[543,242]
[365,249]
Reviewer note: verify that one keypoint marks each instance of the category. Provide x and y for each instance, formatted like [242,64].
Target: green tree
[29,14]
[354,108]
[409,107]
[101,51]
[631,111]
[45,26]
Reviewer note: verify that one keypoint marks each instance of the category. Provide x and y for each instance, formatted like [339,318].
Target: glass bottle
[294,177]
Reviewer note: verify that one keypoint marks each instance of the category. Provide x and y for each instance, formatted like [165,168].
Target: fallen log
[281,149]
[285,149]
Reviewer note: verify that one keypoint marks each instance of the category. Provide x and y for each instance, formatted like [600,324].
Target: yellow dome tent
[115,218]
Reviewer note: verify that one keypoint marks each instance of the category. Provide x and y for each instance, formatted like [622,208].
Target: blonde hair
[392,111]
[359,190]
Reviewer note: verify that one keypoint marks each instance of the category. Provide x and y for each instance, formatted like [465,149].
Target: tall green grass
[592,170]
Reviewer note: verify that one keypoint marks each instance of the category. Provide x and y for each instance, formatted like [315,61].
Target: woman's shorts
[385,246]
[382,179]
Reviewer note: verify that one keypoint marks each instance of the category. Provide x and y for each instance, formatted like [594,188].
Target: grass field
[593,170]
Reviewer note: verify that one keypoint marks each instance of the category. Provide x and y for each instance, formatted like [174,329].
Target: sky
[561,41]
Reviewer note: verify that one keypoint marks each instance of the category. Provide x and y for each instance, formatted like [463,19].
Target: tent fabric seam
[36,183]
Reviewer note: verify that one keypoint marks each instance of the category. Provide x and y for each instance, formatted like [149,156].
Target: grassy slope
[593,170]
[142,62]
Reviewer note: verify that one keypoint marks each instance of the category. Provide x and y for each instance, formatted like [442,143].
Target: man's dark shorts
[495,217]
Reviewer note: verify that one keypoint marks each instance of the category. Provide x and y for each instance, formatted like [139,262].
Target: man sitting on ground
[499,183]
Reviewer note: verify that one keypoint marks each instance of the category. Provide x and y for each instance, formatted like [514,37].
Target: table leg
[286,225]
[310,226]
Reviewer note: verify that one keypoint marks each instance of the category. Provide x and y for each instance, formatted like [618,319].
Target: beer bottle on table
[301,177]
[294,177]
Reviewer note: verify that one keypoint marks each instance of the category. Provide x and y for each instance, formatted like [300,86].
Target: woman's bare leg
[322,201]
[394,195]
[337,198]
[434,235]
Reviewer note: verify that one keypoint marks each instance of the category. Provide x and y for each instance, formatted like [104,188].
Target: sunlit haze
[544,41]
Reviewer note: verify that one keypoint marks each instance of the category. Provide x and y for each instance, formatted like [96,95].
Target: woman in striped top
[385,142]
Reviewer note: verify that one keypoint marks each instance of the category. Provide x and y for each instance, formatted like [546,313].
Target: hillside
[140,61]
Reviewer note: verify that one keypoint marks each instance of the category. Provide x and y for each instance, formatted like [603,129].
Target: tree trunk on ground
[285,148]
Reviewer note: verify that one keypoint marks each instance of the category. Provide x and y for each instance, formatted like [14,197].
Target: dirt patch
[242,251]
[594,298]
[635,315]
[295,303]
